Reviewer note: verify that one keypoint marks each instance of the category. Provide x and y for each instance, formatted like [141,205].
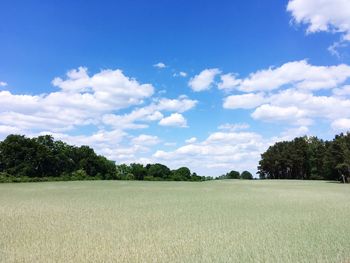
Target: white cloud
[296,107]
[244,101]
[6,130]
[152,112]
[159,65]
[326,107]
[175,119]
[233,126]
[180,74]
[84,99]
[81,100]
[343,91]
[289,93]
[3,84]
[191,140]
[290,114]
[110,87]
[181,104]
[323,15]
[145,139]
[99,140]
[299,74]
[183,74]
[115,144]
[219,153]
[203,80]
[229,82]
[341,125]
[291,133]
[78,81]
[126,121]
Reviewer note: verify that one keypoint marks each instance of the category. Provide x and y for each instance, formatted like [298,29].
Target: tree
[122,171]
[181,174]
[246,175]
[42,158]
[233,175]
[316,154]
[138,170]
[158,171]
[307,158]
[196,178]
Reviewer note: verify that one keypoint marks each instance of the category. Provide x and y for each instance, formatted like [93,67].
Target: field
[215,221]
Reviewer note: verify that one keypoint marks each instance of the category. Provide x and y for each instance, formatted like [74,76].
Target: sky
[205,84]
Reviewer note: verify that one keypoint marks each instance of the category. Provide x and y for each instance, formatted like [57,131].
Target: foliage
[230,175]
[42,159]
[246,175]
[307,158]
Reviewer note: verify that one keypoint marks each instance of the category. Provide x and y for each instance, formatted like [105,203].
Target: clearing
[215,221]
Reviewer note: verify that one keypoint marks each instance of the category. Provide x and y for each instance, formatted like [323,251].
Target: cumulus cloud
[94,99]
[138,118]
[145,139]
[114,144]
[7,129]
[182,104]
[228,81]
[159,65]
[180,74]
[203,80]
[293,106]
[323,15]
[88,100]
[276,113]
[81,100]
[3,84]
[244,101]
[291,133]
[175,119]
[341,125]
[313,106]
[109,87]
[233,126]
[343,91]
[191,140]
[299,74]
[289,94]
[301,108]
[219,153]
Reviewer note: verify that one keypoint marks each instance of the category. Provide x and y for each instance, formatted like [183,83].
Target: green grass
[217,221]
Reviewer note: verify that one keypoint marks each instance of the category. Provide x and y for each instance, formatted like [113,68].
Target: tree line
[42,158]
[308,158]
[236,175]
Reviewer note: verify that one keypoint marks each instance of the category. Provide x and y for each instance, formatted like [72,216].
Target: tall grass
[216,221]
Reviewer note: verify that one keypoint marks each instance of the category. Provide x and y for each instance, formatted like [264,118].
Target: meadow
[214,221]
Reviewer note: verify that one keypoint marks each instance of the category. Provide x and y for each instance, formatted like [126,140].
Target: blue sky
[204,84]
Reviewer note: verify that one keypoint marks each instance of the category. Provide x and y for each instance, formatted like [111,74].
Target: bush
[5,177]
[79,175]
[246,175]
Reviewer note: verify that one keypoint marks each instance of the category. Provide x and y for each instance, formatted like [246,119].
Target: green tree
[233,175]
[158,171]
[246,175]
[181,174]
[138,170]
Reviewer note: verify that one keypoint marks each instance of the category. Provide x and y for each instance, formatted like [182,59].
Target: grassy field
[217,221]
